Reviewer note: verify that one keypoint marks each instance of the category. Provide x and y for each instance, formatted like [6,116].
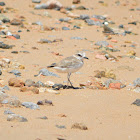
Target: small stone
[15,72]
[92,22]
[30,105]
[57,86]
[54,4]
[39,84]
[36,1]
[137,102]
[15,82]
[29,83]
[26,88]
[99,17]
[102,43]
[61,126]
[16,36]
[44,41]
[76,1]
[121,26]
[45,102]
[52,91]
[43,118]
[16,22]
[2,3]
[13,101]
[41,6]
[83,17]
[82,8]
[42,90]
[65,28]
[79,126]
[137,89]
[136,82]
[49,84]
[0,72]
[77,38]
[16,118]
[8,112]
[15,52]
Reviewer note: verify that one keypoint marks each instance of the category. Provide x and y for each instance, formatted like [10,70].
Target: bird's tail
[52,65]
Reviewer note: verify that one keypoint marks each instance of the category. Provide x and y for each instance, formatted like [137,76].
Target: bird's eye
[79,55]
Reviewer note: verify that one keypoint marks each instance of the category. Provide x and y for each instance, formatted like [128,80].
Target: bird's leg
[70,81]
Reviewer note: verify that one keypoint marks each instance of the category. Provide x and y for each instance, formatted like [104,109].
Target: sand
[108,114]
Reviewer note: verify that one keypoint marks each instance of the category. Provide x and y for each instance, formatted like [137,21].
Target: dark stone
[0,72]
[83,17]
[15,72]
[43,118]
[137,102]
[45,102]
[79,126]
[39,84]
[2,3]
[61,126]
[99,17]
[92,22]
[65,28]
[16,52]
[16,36]
[57,86]
[134,23]
[121,26]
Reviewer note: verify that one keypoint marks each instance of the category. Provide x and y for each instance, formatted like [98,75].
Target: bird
[70,65]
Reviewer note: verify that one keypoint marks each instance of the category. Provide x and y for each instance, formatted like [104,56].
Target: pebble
[0,72]
[61,126]
[76,38]
[136,82]
[15,52]
[14,101]
[52,91]
[42,90]
[5,46]
[30,105]
[99,17]
[49,84]
[79,126]
[82,8]
[15,72]
[16,118]
[8,112]
[39,84]
[102,43]
[65,28]
[92,22]
[45,102]
[2,3]
[57,86]
[16,22]
[65,19]
[136,102]
[41,6]
[16,82]
[43,118]
[26,88]
[36,1]
[29,83]
[44,41]
[45,72]
[16,36]
[83,17]
[76,1]
[4,19]
[136,89]
[121,26]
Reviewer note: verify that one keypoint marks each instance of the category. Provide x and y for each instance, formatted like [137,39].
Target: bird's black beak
[86,57]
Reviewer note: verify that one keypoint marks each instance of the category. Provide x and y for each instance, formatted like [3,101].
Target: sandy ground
[108,114]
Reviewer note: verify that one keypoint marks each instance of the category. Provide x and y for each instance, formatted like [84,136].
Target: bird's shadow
[65,87]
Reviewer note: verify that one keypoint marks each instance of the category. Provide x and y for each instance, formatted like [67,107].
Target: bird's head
[81,55]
